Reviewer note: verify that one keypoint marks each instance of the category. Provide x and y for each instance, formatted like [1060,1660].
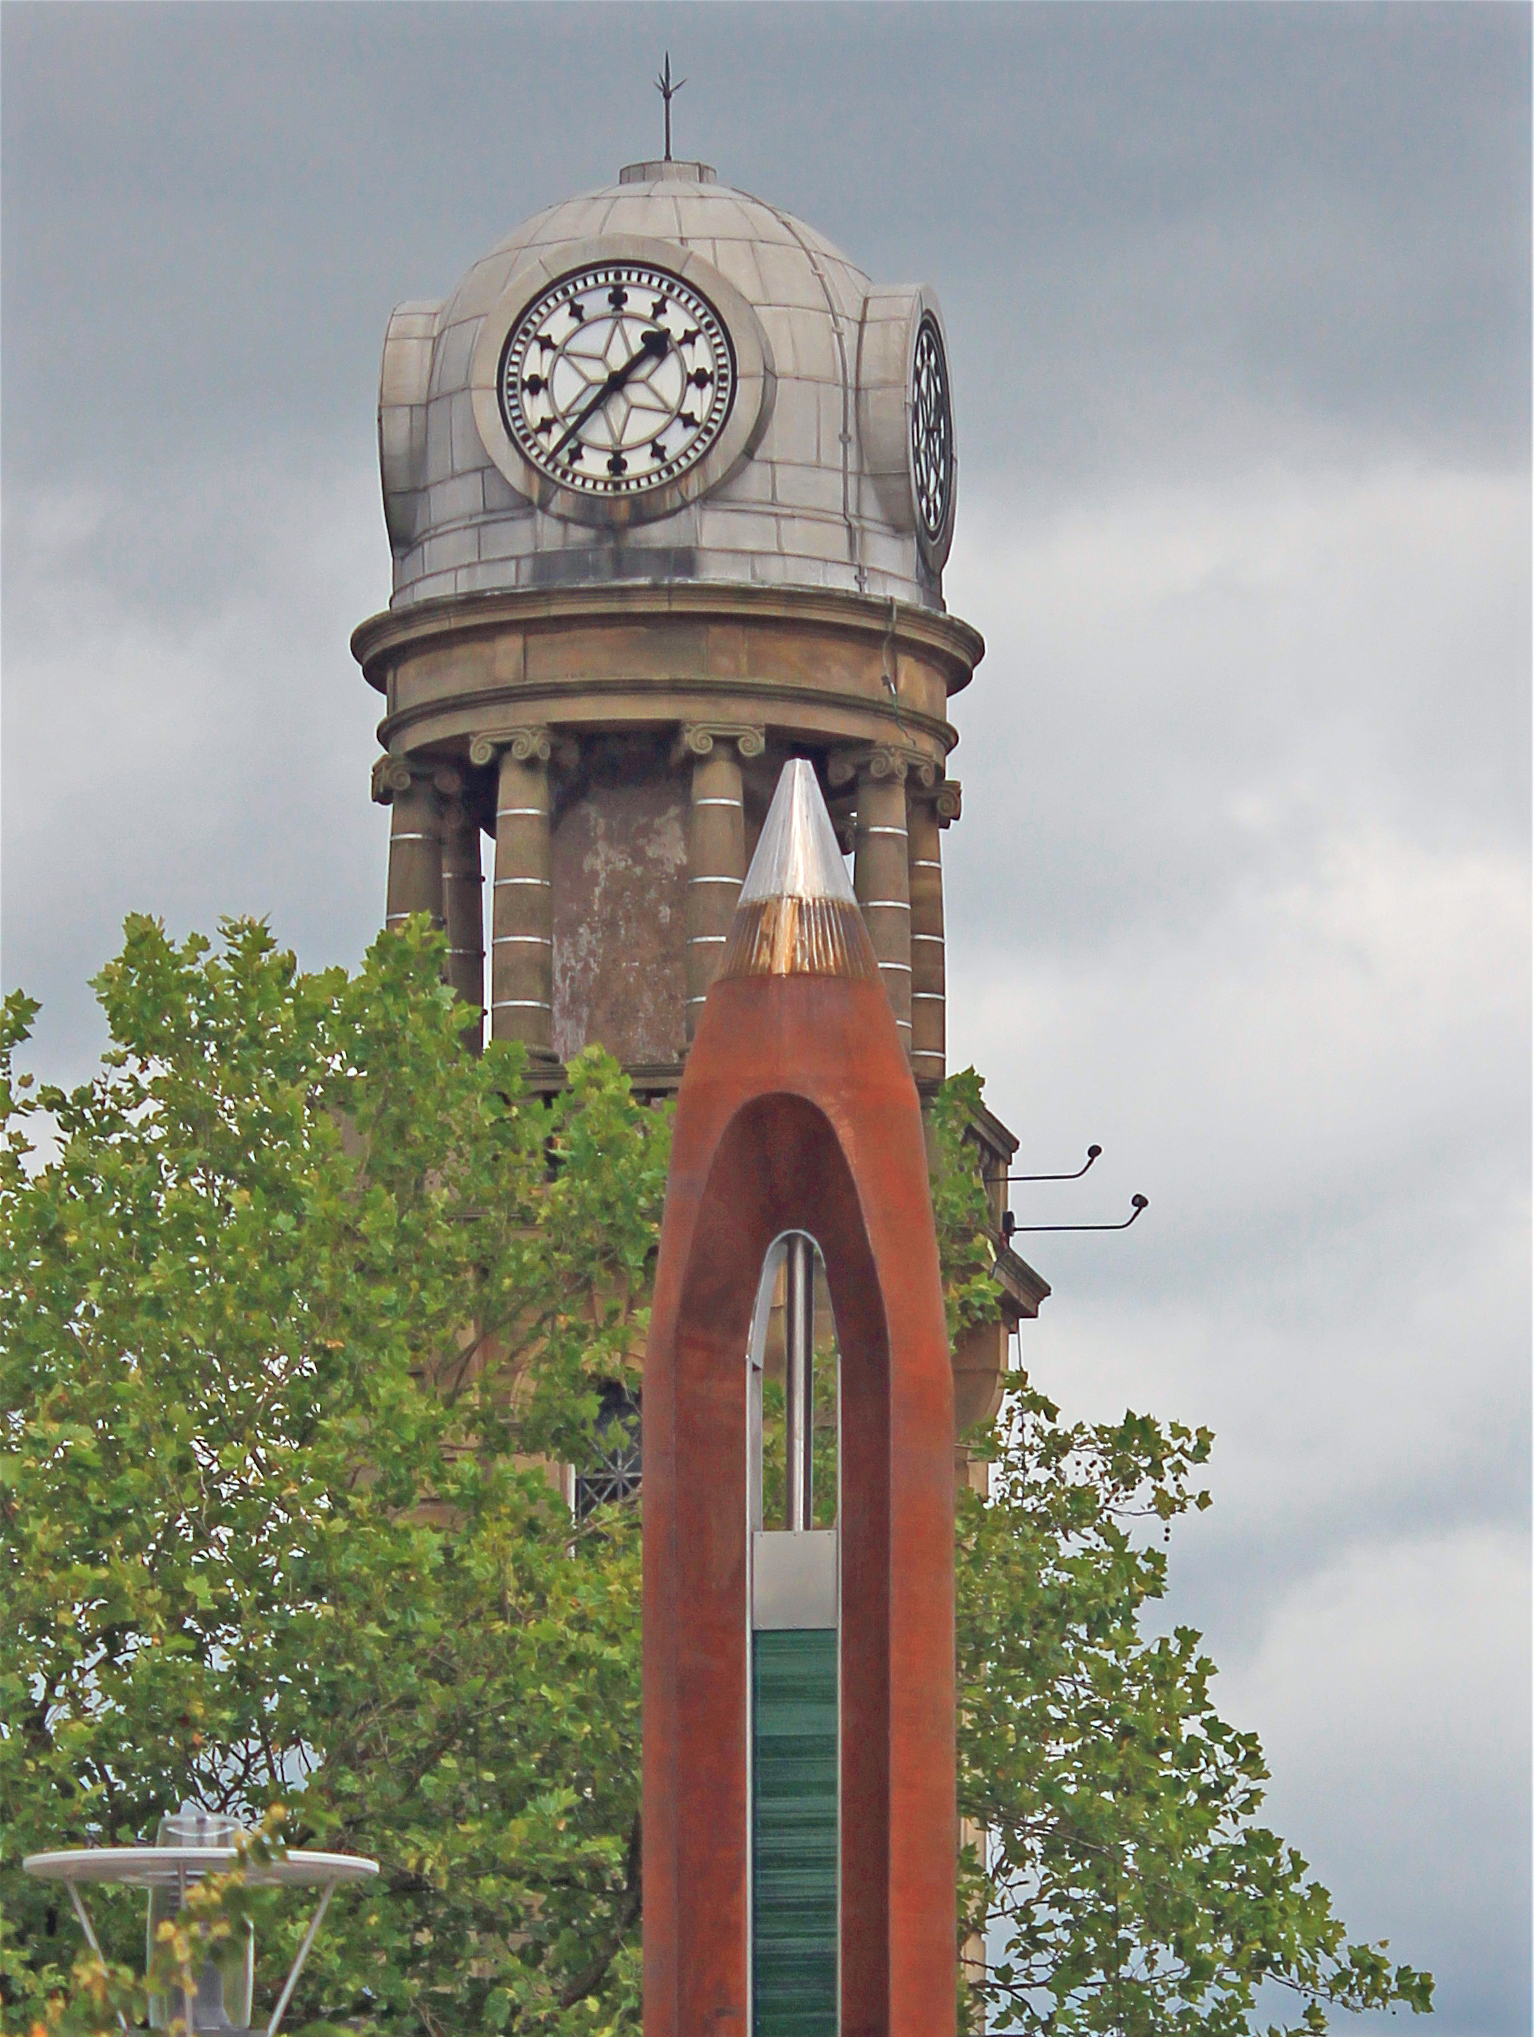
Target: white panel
[793,1578]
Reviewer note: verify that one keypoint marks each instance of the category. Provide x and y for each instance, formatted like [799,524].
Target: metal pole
[799,1340]
[90,1937]
[298,1965]
[187,2015]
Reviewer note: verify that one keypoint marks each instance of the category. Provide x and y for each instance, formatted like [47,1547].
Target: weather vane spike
[668,91]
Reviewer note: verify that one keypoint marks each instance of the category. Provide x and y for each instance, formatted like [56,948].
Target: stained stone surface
[620,917]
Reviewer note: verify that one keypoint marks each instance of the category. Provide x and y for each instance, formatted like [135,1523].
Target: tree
[275,1522]
[1128,1886]
[293,1321]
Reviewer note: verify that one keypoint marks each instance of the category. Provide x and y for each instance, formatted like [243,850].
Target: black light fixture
[1010,1227]
[1093,1153]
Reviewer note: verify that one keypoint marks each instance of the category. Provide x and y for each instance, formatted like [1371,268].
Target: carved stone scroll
[883,761]
[390,775]
[699,737]
[525,745]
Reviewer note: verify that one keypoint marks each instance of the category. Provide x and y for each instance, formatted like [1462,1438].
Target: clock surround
[905,417]
[617,379]
[731,342]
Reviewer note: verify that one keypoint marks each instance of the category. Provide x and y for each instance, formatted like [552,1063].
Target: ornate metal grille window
[619,1465]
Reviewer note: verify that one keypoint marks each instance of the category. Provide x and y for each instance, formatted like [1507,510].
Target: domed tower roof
[667,380]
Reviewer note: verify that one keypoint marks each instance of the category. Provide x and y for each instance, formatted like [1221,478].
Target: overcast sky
[1238,300]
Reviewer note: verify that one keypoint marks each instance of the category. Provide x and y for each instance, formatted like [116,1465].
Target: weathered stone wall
[620,910]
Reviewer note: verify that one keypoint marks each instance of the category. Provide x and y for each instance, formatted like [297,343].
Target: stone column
[716,846]
[463,906]
[928,812]
[522,915]
[881,866]
[415,839]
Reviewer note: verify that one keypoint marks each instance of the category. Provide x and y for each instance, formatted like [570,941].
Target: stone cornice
[549,700]
[941,639]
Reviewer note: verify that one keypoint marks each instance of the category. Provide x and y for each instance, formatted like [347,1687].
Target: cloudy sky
[1238,300]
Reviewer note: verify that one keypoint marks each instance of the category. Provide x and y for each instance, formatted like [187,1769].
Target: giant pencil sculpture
[781,1651]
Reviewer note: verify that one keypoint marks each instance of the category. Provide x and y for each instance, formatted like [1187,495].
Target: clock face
[931,433]
[617,380]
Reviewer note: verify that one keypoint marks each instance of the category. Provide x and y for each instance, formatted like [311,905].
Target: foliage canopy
[291,1324]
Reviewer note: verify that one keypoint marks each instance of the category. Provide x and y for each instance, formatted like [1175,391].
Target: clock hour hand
[650,348]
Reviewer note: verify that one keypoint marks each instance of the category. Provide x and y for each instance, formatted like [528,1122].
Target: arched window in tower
[793,1496]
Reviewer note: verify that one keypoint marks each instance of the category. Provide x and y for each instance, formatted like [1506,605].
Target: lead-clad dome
[810,474]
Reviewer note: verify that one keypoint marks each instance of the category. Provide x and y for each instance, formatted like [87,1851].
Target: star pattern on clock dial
[617,379]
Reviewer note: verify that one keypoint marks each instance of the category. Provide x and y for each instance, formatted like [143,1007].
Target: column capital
[527,745]
[392,775]
[883,760]
[946,794]
[699,737]
[395,775]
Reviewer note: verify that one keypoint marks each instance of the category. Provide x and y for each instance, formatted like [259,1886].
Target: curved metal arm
[1136,1204]
[1093,1153]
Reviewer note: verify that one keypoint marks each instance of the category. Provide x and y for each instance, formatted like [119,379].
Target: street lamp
[189,1845]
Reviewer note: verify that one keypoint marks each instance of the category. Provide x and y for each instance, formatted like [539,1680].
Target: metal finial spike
[668,91]
[796,853]
[797,915]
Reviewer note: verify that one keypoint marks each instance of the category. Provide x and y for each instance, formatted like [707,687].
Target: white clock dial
[617,379]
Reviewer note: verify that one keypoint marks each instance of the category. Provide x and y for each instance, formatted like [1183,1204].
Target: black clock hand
[650,348]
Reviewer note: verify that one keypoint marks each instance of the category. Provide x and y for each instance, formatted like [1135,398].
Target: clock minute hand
[650,348]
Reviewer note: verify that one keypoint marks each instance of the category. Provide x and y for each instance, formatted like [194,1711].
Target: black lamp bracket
[1136,1204]
[1092,1154]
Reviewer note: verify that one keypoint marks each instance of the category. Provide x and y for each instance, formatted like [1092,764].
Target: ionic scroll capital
[526,745]
[883,760]
[945,796]
[395,775]
[390,775]
[699,737]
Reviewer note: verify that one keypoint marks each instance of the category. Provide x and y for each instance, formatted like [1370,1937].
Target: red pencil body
[798,1112]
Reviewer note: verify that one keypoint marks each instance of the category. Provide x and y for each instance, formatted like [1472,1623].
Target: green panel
[793,1833]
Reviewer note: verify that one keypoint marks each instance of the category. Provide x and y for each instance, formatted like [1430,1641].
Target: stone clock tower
[669,485]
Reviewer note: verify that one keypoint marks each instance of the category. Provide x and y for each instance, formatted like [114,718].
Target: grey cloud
[185,731]
[1186,693]
[1167,238]
[1249,907]
[1364,1682]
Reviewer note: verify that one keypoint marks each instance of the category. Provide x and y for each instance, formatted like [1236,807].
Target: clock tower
[669,484]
